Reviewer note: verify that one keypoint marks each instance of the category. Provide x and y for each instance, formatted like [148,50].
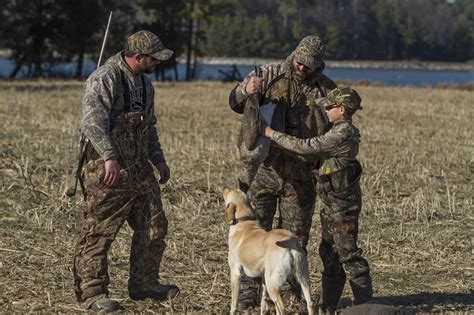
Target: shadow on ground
[425,301]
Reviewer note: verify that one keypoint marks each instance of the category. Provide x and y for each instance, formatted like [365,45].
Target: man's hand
[112,171]
[266,131]
[164,172]
[253,85]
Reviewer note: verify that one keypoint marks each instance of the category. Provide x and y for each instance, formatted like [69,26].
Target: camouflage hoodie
[104,101]
[296,113]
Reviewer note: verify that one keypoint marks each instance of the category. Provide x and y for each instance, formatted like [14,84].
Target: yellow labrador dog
[275,255]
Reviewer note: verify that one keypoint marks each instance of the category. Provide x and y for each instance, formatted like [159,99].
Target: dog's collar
[242,219]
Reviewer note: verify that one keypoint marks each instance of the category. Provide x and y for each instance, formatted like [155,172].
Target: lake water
[392,77]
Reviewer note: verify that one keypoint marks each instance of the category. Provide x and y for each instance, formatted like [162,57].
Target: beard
[300,77]
[149,70]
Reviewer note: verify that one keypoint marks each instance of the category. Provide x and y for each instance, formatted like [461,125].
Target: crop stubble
[416,226]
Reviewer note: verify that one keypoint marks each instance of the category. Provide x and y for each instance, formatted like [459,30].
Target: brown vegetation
[416,227]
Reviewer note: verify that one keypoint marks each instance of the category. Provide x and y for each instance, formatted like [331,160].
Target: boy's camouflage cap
[147,43]
[345,96]
[310,52]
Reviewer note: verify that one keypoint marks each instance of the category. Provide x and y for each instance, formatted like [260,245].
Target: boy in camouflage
[338,185]
[117,178]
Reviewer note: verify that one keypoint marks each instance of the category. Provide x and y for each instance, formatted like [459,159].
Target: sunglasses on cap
[329,107]
[151,57]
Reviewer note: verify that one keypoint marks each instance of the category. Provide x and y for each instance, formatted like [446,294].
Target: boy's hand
[266,131]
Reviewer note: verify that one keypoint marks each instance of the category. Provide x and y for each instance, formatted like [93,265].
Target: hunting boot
[157,291]
[291,291]
[332,290]
[103,303]
[361,289]
[248,293]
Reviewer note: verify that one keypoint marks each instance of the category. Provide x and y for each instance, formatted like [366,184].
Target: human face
[335,112]
[302,72]
[148,63]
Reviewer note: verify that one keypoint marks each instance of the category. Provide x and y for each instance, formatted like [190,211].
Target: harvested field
[416,227]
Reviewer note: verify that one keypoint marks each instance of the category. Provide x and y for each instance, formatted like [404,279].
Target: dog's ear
[230,213]
[225,190]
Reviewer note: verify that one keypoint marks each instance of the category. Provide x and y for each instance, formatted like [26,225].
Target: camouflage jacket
[337,148]
[296,113]
[104,101]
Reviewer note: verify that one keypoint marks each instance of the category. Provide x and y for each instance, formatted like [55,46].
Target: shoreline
[335,64]
[351,64]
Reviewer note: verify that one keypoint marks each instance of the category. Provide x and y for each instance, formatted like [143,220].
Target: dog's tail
[300,262]
[291,242]
[299,268]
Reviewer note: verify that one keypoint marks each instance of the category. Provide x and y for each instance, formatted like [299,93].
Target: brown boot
[332,287]
[101,303]
[157,292]
[248,293]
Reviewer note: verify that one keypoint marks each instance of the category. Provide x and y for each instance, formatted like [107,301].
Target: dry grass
[416,228]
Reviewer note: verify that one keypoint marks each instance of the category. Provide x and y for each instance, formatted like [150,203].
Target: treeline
[352,29]
[42,33]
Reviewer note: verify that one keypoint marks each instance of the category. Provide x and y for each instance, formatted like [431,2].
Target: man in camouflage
[338,185]
[118,127]
[284,181]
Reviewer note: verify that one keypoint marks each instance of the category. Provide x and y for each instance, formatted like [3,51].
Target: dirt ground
[416,227]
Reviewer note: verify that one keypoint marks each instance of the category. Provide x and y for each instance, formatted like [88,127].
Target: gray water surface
[391,77]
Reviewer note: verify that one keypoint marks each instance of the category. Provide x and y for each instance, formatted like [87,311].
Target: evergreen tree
[30,30]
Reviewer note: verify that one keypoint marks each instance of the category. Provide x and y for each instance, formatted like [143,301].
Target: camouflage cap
[147,43]
[310,52]
[345,96]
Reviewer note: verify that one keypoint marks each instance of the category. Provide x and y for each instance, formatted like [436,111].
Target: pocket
[93,175]
[90,153]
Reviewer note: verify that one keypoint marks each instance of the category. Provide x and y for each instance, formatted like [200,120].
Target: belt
[330,183]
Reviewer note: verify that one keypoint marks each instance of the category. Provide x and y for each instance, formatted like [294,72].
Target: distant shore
[355,64]
[352,64]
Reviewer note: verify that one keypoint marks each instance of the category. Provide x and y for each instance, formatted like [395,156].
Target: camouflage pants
[106,210]
[294,199]
[339,223]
